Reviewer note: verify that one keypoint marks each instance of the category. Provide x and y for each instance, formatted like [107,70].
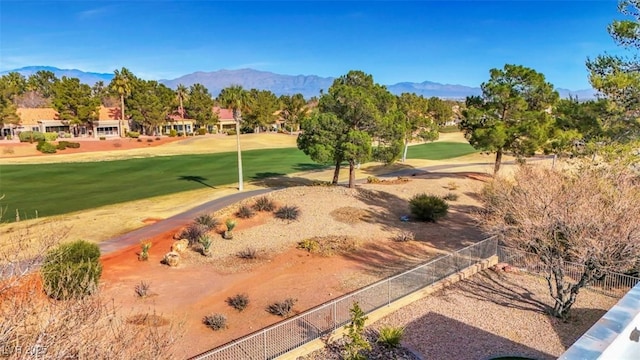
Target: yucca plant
[390,336]
[144,250]
[231,224]
[206,242]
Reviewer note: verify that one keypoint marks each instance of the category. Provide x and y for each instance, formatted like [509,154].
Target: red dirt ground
[192,290]
[89,145]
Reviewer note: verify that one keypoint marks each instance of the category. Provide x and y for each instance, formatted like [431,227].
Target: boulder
[499,267]
[180,246]
[172,259]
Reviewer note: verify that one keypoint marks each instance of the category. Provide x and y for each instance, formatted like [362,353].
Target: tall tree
[441,111]
[8,109]
[262,112]
[237,99]
[618,77]
[149,104]
[74,102]
[361,109]
[199,106]
[182,94]
[513,114]
[121,85]
[415,120]
[293,110]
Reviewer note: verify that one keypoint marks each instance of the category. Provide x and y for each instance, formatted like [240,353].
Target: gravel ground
[494,314]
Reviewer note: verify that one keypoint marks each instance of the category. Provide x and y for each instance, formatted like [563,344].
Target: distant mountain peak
[307,85]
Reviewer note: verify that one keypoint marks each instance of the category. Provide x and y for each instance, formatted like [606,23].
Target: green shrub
[49,136]
[202,131]
[215,321]
[180,134]
[288,213]
[428,207]
[208,221]
[173,133]
[103,138]
[148,140]
[158,138]
[46,147]
[356,342]
[372,180]
[133,134]
[31,136]
[282,308]
[239,301]
[390,336]
[245,212]
[264,204]
[451,197]
[63,144]
[71,270]
[231,132]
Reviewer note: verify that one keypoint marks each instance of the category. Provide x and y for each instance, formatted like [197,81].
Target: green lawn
[54,189]
[439,150]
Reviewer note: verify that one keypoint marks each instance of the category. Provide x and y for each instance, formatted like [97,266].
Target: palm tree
[121,84]
[236,99]
[182,95]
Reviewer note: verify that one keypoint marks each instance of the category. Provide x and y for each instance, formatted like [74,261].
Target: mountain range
[307,85]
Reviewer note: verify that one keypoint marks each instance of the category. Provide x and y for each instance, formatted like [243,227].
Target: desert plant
[404,236]
[428,207]
[288,213]
[245,212]
[248,253]
[264,204]
[158,138]
[71,270]
[282,308]
[144,250]
[310,245]
[142,289]
[450,197]
[239,301]
[215,321]
[355,341]
[133,134]
[207,220]
[193,232]
[372,180]
[231,224]
[102,138]
[206,242]
[390,336]
[46,147]
[452,185]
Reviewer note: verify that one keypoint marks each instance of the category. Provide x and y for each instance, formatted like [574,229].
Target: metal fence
[612,284]
[312,324]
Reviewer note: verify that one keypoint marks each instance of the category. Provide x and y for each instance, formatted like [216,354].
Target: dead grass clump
[330,245]
[147,320]
[350,215]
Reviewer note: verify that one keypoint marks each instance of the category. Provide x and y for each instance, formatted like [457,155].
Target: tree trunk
[496,166]
[122,132]
[406,149]
[352,174]
[240,185]
[336,172]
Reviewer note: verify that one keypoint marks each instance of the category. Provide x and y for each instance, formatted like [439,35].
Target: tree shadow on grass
[195,178]
[279,180]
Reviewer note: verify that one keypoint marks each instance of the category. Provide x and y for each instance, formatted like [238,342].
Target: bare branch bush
[589,215]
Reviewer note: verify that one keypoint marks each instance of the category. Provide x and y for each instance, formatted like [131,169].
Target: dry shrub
[329,245]
[588,216]
[350,215]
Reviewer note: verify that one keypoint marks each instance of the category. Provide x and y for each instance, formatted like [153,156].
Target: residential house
[45,120]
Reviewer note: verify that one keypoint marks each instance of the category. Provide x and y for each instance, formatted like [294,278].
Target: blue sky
[454,42]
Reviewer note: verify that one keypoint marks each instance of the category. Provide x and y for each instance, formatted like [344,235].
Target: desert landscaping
[359,238]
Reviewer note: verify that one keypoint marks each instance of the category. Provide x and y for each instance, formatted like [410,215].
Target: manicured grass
[439,150]
[52,189]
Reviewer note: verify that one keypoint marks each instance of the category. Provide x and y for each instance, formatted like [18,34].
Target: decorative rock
[500,267]
[180,246]
[171,258]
